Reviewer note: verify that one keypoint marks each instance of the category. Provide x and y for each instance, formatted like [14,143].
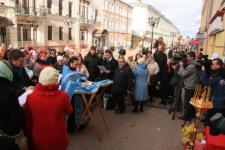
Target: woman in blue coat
[141,85]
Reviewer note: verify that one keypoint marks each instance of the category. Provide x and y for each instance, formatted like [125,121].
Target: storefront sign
[216,26]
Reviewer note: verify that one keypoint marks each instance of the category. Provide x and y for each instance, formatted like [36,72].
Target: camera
[178,57]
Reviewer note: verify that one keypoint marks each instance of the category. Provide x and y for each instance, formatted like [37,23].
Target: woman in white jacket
[153,69]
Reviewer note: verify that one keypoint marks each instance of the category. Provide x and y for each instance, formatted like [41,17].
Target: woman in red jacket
[45,113]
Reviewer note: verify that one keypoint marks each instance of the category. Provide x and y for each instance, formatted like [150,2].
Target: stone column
[32,35]
[21,34]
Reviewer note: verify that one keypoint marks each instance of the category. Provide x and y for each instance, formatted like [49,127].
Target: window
[25,35]
[60,7]
[96,15]
[49,4]
[83,12]
[70,9]
[18,32]
[49,32]
[60,33]
[82,35]
[70,34]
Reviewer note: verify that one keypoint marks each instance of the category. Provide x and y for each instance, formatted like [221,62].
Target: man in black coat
[122,82]
[163,76]
[21,80]
[91,61]
[110,65]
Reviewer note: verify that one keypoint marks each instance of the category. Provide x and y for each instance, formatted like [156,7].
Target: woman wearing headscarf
[45,113]
[141,85]
[11,115]
[40,64]
[153,70]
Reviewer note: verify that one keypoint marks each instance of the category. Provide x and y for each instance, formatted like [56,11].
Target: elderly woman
[45,113]
[141,85]
[11,115]
[40,63]
[153,70]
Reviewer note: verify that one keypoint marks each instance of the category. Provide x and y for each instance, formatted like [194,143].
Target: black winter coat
[11,114]
[122,80]
[20,80]
[161,60]
[111,65]
[91,62]
[52,60]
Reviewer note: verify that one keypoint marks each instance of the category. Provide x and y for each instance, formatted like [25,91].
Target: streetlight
[153,22]
[179,38]
[173,34]
[68,22]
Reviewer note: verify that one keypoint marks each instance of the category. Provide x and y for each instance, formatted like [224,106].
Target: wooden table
[94,102]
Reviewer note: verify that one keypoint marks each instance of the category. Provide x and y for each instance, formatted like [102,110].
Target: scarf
[5,72]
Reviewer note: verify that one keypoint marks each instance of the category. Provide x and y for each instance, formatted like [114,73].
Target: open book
[102,68]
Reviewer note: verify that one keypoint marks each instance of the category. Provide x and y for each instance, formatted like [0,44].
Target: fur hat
[48,76]
[141,61]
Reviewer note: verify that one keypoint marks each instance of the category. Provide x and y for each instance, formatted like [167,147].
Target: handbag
[20,139]
[153,79]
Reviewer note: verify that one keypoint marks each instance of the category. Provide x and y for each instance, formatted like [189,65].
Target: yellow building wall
[216,43]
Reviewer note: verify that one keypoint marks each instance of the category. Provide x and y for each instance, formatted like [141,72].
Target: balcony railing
[20,9]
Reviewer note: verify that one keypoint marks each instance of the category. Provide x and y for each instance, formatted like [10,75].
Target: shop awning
[195,42]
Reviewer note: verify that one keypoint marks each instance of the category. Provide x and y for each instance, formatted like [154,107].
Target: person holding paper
[110,66]
[11,115]
[91,61]
[21,80]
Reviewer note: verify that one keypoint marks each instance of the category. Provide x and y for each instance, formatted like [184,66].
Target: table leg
[89,113]
[101,113]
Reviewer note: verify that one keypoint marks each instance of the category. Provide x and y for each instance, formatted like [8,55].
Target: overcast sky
[185,14]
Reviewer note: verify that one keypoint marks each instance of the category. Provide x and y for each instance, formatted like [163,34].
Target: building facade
[213,25]
[39,23]
[142,30]
[112,27]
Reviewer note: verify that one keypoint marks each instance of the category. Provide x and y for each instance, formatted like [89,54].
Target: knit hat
[41,53]
[5,71]
[141,61]
[48,76]
[59,58]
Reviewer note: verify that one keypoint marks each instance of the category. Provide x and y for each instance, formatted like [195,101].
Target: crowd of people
[49,113]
